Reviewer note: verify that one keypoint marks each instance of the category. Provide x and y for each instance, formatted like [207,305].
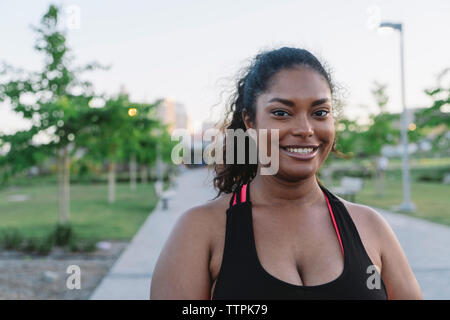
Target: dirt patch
[26,276]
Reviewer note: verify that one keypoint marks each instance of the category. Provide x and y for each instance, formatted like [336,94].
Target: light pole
[407,205]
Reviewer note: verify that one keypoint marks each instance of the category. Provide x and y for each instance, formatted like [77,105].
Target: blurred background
[90,93]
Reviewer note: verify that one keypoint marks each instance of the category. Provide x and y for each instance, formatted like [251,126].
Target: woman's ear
[246,119]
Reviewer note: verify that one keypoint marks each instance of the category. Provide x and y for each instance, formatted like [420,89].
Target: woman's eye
[280,113]
[323,115]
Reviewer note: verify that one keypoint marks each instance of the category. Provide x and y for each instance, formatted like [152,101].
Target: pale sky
[190,50]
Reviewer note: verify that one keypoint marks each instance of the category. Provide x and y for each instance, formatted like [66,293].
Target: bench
[164,195]
[349,187]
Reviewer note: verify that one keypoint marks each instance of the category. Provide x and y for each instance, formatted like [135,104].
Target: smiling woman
[282,236]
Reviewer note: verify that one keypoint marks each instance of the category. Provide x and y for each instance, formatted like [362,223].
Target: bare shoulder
[182,270]
[396,271]
[208,216]
[206,223]
[372,229]
[366,217]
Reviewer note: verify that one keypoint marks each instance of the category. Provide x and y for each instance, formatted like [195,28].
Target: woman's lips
[300,156]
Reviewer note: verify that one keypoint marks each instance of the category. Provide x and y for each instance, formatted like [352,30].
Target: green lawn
[91,215]
[432,200]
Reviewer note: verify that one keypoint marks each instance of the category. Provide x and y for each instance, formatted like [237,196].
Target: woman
[283,236]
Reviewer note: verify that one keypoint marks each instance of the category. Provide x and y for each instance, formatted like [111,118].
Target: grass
[396,163]
[432,200]
[90,214]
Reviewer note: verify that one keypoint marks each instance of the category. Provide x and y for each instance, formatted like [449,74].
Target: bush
[426,174]
[89,246]
[82,245]
[38,245]
[430,174]
[12,239]
[45,244]
[63,234]
[356,171]
[31,244]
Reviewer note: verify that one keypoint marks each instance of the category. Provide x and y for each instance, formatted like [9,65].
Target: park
[95,178]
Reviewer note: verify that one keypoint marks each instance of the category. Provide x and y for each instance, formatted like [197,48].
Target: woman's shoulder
[364,214]
[371,225]
[208,217]
[209,208]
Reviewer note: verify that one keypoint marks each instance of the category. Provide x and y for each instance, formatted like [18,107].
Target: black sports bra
[242,276]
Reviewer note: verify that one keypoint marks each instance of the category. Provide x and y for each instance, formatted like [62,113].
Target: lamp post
[407,205]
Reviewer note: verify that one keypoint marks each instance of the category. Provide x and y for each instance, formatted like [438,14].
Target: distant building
[173,114]
[207,125]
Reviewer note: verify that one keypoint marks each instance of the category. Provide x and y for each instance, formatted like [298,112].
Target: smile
[300,153]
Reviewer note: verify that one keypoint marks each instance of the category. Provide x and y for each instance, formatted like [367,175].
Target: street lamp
[407,205]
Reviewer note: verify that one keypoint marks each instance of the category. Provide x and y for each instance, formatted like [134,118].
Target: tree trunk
[378,185]
[152,172]
[378,182]
[133,172]
[60,186]
[64,186]
[144,174]
[112,182]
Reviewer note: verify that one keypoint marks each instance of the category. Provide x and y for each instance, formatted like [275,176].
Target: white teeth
[300,150]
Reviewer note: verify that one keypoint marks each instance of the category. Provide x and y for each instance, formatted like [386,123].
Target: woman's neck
[277,191]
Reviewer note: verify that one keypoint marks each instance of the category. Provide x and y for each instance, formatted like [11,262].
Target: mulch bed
[27,276]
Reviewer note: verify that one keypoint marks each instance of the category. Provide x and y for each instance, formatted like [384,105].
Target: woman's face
[297,102]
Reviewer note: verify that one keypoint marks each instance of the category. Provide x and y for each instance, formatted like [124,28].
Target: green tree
[56,102]
[120,131]
[437,115]
[347,136]
[380,132]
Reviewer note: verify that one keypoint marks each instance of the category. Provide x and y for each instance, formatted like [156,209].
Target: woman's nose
[302,127]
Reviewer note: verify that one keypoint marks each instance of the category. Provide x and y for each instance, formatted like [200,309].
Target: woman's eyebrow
[290,103]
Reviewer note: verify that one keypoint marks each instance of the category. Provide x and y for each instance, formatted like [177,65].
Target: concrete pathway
[130,276]
[426,244]
[427,248]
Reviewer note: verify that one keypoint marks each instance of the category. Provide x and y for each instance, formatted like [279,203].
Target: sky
[191,51]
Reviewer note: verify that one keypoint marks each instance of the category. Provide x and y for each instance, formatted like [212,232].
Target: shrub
[89,246]
[77,245]
[74,245]
[432,174]
[356,171]
[424,174]
[63,234]
[45,244]
[31,244]
[12,239]
[38,245]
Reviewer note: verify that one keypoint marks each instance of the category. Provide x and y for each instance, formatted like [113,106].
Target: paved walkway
[426,245]
[130,276]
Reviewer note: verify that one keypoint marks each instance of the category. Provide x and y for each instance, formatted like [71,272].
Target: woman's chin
[296,174]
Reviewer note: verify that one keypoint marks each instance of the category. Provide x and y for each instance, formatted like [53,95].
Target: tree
[55,101]
[121,129]
[347,136]
[437,115]
[380,132]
